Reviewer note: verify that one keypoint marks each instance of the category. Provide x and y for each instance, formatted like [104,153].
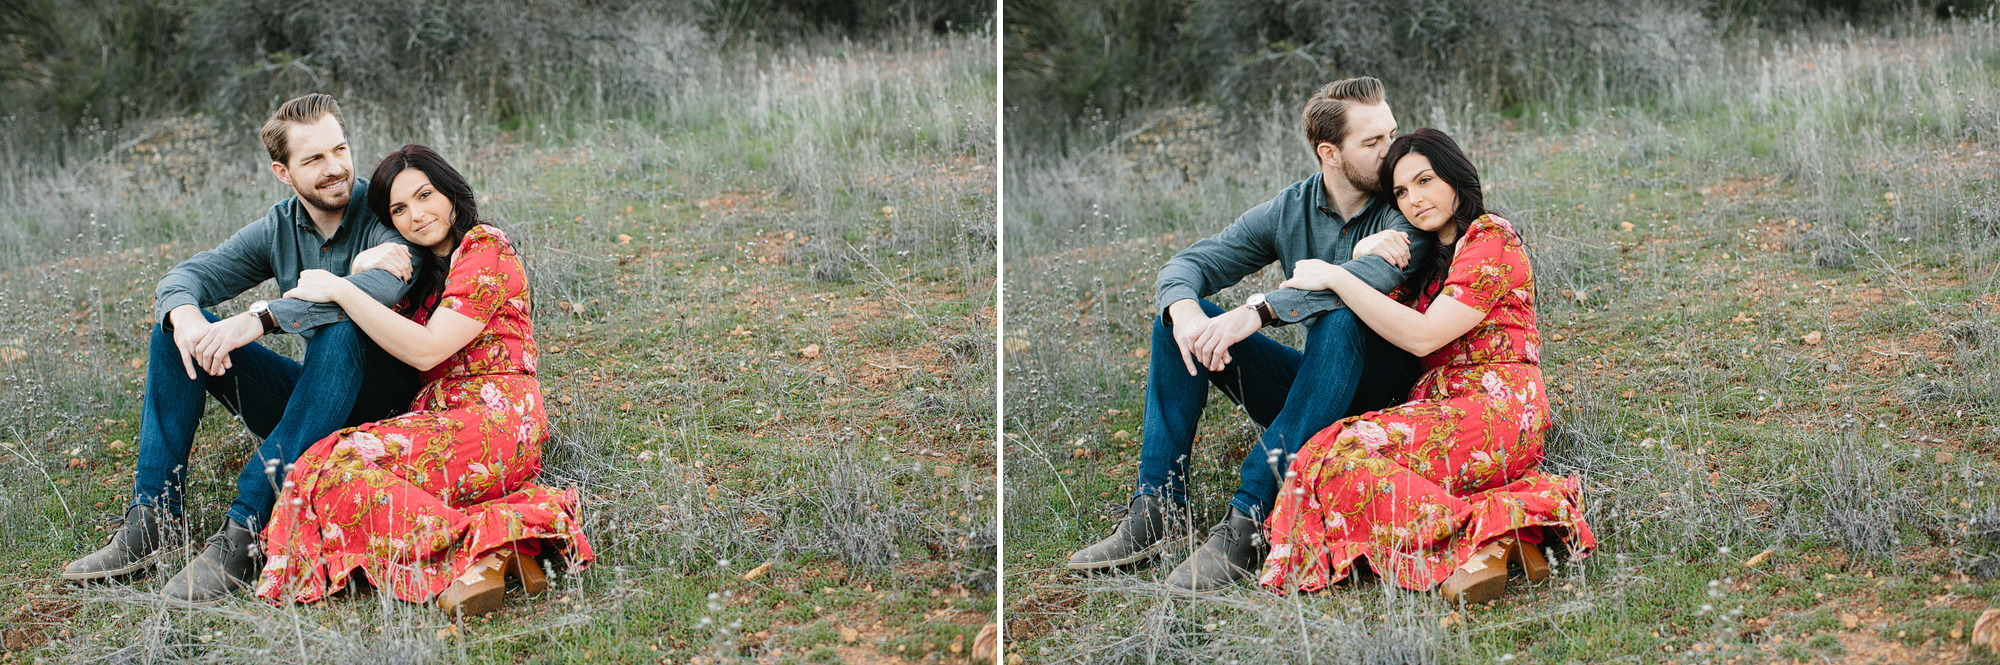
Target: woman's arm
[419,346]
[1419,333]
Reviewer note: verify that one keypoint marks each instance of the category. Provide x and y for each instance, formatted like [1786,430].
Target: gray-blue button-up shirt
[1292,227]
[279,246]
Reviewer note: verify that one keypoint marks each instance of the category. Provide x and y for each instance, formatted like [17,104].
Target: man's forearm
[296,316]
[1184,310]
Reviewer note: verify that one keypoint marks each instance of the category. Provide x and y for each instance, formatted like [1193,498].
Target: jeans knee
[343,338]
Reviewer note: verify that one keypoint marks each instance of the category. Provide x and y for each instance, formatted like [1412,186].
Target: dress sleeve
[1488,266]
[486,275]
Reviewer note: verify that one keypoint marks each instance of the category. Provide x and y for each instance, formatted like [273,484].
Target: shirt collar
[348,215]
[1318,187]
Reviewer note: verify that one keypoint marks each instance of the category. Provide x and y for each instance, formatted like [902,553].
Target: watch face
[1255,300]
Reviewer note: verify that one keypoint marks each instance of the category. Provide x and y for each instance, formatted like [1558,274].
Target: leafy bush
[1071,64]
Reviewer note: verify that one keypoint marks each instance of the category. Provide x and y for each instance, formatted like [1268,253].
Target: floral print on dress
[1419,487]
[415,500]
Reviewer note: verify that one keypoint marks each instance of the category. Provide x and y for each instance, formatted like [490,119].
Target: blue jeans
[1345,369]
[346,380]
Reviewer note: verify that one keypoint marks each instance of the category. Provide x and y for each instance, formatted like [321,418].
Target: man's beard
[1369,181]
[327,204]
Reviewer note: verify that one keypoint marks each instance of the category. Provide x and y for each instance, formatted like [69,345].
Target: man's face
[320,169]
[1370,129]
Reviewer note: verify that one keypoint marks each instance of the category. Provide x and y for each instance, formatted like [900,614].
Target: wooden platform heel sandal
[1484,576]
[1529,558]
[1481,578]
[479,591]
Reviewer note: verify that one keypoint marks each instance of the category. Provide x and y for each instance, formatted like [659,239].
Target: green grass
[676,299]
[1772,355]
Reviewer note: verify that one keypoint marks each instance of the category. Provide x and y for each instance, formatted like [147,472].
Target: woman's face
[420,212]
[1425,199]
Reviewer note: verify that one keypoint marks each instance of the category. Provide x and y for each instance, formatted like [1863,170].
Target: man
[345,378]
[1344,368]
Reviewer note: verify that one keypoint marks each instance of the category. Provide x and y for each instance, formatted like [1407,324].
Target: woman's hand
[1313,275]
[1392,245]
[318,286]
[391,256]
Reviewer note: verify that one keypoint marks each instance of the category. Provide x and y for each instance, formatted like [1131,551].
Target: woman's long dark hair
[465,214]
[1451,164]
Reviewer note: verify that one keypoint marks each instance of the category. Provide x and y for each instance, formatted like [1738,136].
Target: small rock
[625,407]
[831,381]
[566,400]
[811,351]
[757,572]
[1849,621]
[849,635]
[1812,337]
[1944,457]
[1122,435]
[941,471]
[624,239]
[118,445]
[1626,226]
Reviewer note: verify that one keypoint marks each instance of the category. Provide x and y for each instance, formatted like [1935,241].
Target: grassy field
[1772,324]
[767,318]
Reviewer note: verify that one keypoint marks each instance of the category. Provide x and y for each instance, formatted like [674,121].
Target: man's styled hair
[301,111]
[1325,114]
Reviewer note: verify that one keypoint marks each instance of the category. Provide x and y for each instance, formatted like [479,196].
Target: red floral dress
[415,500]
[1419,487]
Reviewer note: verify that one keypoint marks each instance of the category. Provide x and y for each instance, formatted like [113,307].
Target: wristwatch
[1264,314]
[262,310]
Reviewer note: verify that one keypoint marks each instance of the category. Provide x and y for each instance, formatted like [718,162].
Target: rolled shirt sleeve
[1294,305]
[295,316]
[210,277]
[1219,261]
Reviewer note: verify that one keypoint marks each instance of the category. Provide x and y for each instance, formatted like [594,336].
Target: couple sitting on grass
[426,488]
[1408,430]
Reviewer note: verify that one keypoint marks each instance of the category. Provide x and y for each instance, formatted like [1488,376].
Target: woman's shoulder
[1489,224]
[485,239]
[483,232]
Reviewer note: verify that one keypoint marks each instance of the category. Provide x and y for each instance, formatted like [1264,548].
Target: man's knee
[1337,331]
[343,339]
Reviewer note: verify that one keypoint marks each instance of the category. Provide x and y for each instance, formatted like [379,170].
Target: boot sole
[1154,550]
[136,566]
[1235,583]
[184,602]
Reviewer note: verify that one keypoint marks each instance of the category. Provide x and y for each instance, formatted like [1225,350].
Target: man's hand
[1188,321]
[189,327]
[391,256]
[212,350]
[1222,332]
[1313,275]
[1392,245]
[318,286]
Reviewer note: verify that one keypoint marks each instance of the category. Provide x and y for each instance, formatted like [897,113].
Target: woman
[1439,489]
[436,503]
